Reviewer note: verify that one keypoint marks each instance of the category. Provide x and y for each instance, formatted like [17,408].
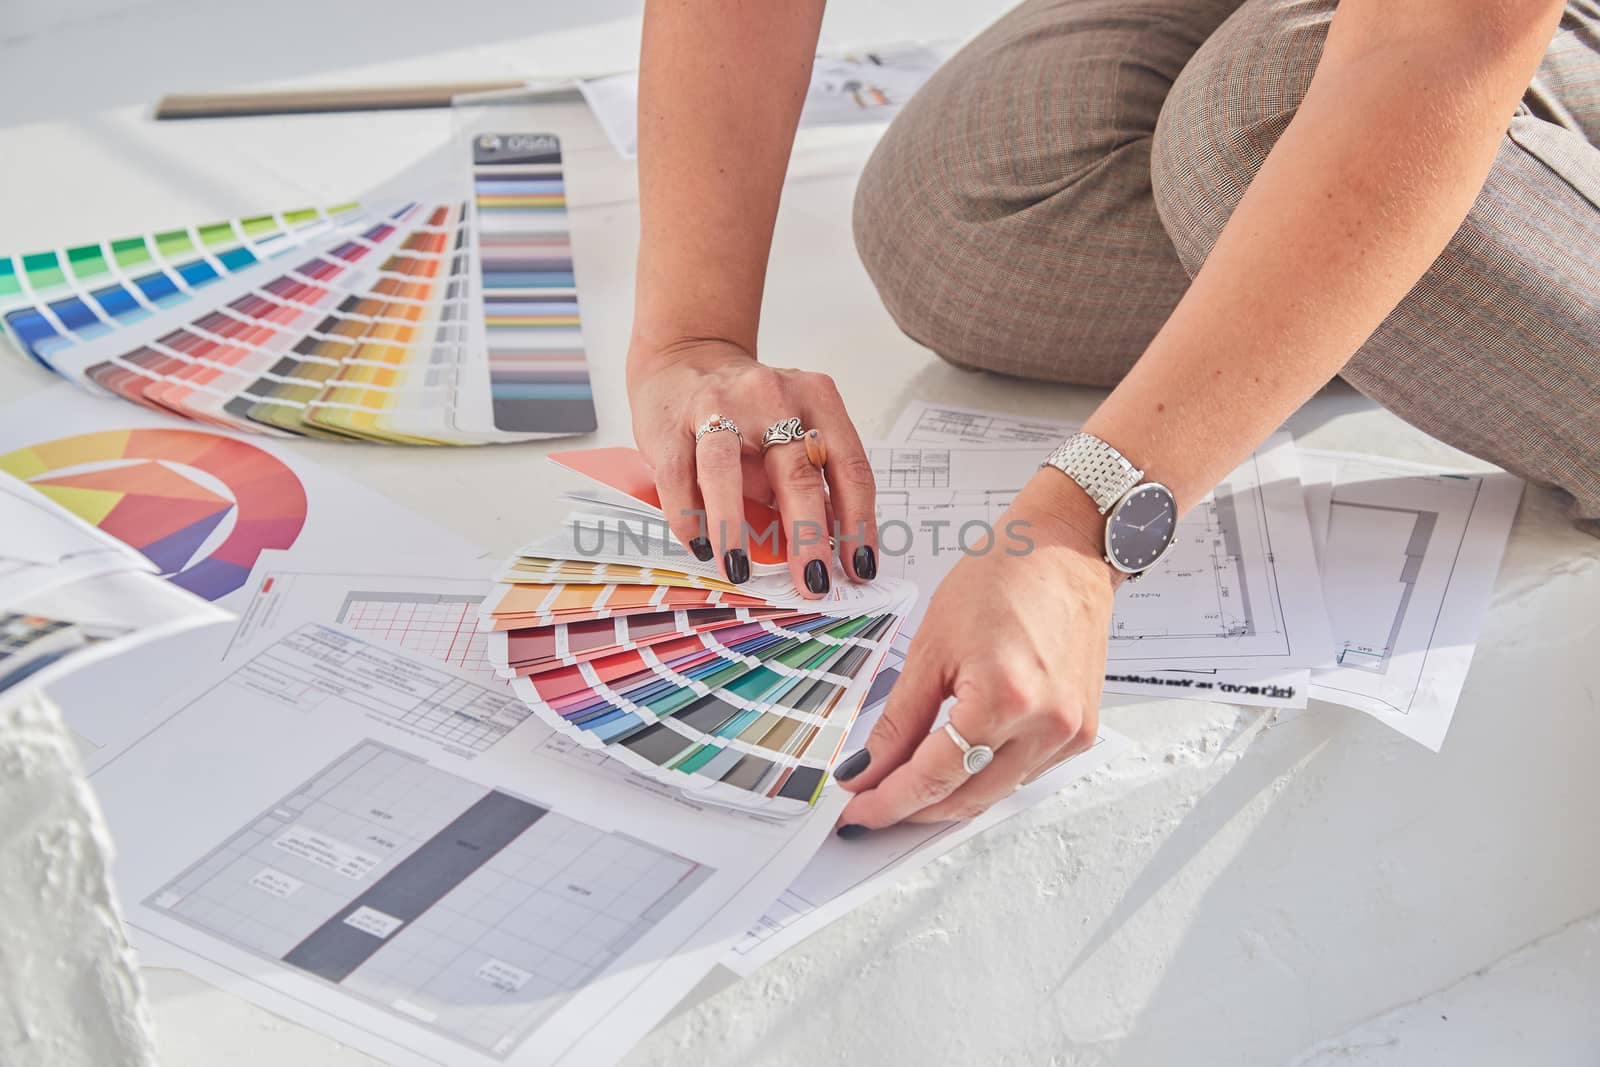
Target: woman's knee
[1010,232]
[1226,111]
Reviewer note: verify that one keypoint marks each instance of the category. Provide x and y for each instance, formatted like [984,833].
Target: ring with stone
[781,433]
[715,423]
[974,758]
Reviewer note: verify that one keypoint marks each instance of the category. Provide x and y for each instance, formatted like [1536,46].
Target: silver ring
[715,423]
[973,757]
[781,433]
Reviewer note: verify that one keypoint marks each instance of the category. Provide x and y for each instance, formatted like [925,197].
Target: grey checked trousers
[1038,208]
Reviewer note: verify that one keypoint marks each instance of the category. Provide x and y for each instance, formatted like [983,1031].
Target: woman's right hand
[672,391]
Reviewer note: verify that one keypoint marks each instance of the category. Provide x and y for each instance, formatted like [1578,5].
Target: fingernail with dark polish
[866,562]
[852,766]
[701,549]
[817,576]
[737,564]
[851,831]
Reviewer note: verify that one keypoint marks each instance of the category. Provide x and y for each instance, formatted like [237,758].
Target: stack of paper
[442,309]
[738,694]
[1353,579]
[451,827]
[394,848]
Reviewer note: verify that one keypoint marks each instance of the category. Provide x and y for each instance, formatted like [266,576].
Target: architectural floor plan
[471,910]
[432,902]
[1239,588]
[1409,558]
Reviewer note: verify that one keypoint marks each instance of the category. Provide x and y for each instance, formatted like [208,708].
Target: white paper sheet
[1238,589]
[926,422]
[862,87]
[421,605]
[1018,445]
[1410,560]
[36,529]
[424,604]
[111,702]
[106,615]
[336,508]
[369,879]
[43,545]
[72,595]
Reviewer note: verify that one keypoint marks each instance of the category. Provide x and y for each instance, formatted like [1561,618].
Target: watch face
[1140,528]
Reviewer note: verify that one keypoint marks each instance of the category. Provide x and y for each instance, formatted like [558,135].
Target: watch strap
[1100,470]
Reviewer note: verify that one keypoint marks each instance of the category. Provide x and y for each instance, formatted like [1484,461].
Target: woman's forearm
[1384,158]
[721,85]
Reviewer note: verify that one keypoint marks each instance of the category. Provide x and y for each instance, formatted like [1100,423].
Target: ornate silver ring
[715,423]
[781,433]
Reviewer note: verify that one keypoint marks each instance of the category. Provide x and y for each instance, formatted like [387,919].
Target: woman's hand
[673,391]
[1018,638]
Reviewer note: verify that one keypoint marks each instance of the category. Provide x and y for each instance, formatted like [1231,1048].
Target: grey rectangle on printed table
[417,883]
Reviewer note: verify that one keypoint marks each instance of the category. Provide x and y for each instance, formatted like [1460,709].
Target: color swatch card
[53,300]
[745,706]
[736,698]
[440,310]
[753,718]
[740,695]
[625,482]
[601,546]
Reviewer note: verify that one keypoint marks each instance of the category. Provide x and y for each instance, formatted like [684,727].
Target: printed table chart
[394,880]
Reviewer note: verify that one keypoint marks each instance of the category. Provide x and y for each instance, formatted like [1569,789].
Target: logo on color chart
[200,506]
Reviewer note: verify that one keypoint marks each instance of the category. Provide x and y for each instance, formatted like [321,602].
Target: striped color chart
[200,368]
[753,709]
[538,373]
[737,699]
[51,300]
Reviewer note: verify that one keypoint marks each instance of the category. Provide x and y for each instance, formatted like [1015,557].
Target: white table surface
[1315,891]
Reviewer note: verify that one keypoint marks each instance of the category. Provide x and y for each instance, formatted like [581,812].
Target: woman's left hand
[1018,638]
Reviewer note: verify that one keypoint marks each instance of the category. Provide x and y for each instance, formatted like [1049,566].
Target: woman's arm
[1379,167]
[1377,170]
[721,86]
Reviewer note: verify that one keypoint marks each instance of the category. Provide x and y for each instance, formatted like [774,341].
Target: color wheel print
[200,506]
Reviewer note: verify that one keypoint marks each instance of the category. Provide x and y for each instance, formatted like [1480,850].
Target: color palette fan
[740,695]
[442,309]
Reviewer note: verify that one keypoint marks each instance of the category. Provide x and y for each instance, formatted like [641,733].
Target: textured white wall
[72,993]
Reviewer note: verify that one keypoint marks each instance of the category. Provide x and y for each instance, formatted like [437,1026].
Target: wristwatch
[1141,517]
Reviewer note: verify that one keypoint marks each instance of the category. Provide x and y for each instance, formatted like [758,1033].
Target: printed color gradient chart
[200,506]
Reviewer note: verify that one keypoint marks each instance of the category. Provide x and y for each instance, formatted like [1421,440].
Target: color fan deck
[441,311]
[740,695]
